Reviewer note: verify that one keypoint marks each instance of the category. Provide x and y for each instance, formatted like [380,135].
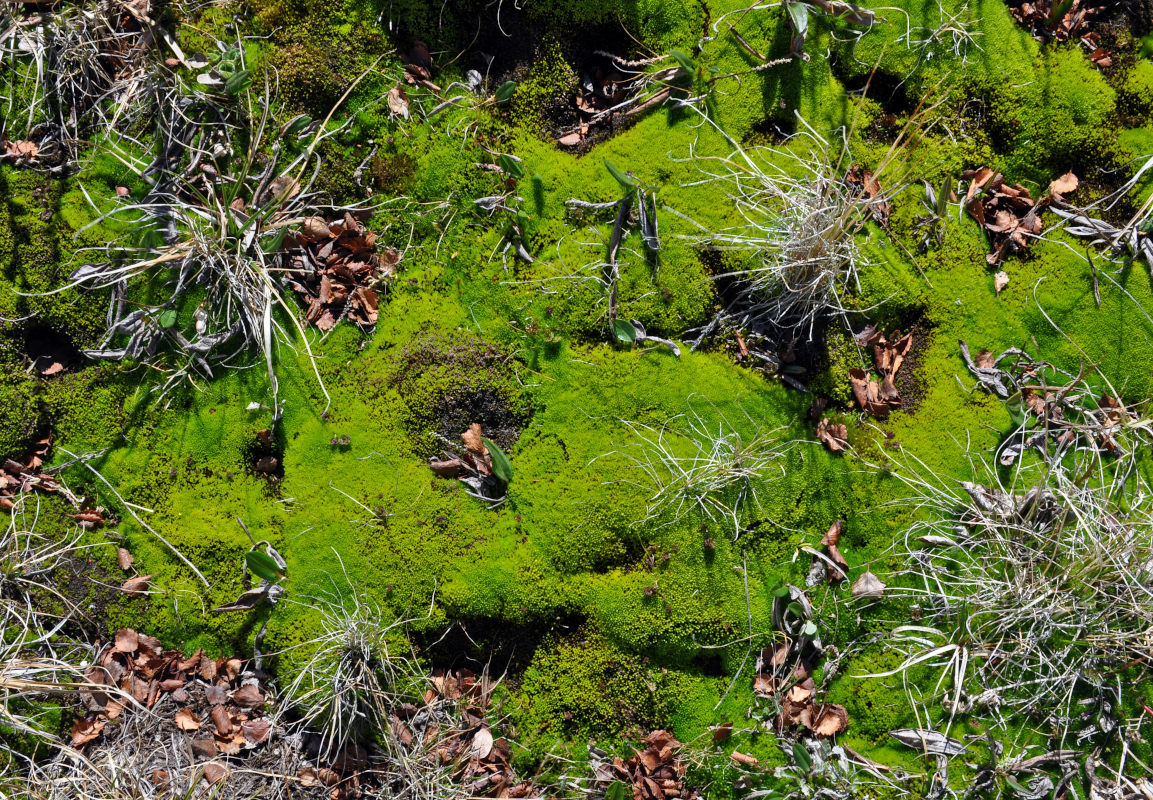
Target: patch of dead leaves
[878,397]
[218,703]
[338,270]
[1039,17]
[1008,212]
[655,773]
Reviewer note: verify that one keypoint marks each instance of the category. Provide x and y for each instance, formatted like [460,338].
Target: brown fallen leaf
[829,720]
[135,587]
[124,559]
[868,586]
[256,731]
[722,732]
[482,743]
[569,140]
[248,697]
[85,730]
[743,758]
[1000,281]
[126,641]
[833,435]
[833,535]
[1066,184]
[215,772]
[398,101]
[222,721]
[186,720]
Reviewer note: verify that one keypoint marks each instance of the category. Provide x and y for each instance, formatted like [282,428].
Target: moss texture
[637,624]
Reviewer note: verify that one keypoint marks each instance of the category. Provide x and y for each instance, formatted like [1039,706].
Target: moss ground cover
[609,623]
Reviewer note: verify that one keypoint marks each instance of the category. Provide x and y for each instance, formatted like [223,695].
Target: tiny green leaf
[684,60]
[626,181]
[238,81]
[501,466]
[505,91]
[263,566]
[799,16]
[625,331]
[810,629]
[796,609]
[781,591]
[274,244]
[167,318]
[802,757]
[511,166]
[297,124]
[619,790]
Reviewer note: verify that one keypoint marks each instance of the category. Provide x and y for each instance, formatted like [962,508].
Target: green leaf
[168,318]
[626,181]
[263,566]
[625,331]
[238,81]
[296,125]
[511,166]
[796,609]
[1016,786]
[619,790]
[274,244]
[501,466]
[943,196]
[684,60]
[781,591]
[1059,10]
[810,629]
[505,91]
[799,16]
[802,757]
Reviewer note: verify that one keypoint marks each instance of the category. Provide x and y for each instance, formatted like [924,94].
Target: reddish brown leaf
[186,720]
[135,587]
[124,559]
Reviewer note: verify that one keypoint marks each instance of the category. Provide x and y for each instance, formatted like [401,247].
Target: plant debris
[337,269]
[1066,21]
[833,435]
[655,773]
[18,477]
[1060,412]
[217,697]
[874,397]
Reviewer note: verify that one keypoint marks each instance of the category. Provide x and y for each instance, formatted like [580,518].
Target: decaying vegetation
[761,522]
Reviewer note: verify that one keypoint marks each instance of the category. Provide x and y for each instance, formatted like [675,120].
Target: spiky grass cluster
[75,71]
[359,667]
[37,663]
[704,463]
[1033,591]
[206,237]
[798,220]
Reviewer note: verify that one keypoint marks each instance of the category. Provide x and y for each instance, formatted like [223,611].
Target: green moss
[583,687]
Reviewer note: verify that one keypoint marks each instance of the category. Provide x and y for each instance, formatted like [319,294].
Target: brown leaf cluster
[474,460]
[833,435]
[879,397]
[484,763]
[418,66]
[603,97]
[219,710]
[1037,16]
[17,477]
[789,682]
[655,773]
[1008,212]
[337,269]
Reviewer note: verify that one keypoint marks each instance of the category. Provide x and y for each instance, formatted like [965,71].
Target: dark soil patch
[506,648]
[264,456]
[450,383]
[90,591]
[51,352]
[909,381]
